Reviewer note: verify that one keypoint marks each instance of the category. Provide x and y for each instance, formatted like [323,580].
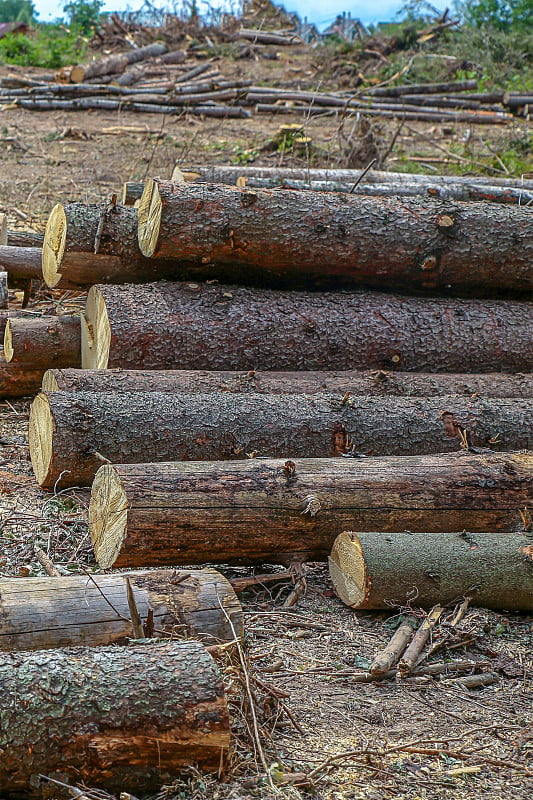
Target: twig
[136,621]
[45,562]
[362,175]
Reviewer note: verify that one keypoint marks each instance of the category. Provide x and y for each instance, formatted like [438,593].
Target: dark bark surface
[44,342]
[88,426]
[376,383]
[193,326]
[123,719]
[45,613]
[278,511]
[19,380]
[372,570]
[300,236]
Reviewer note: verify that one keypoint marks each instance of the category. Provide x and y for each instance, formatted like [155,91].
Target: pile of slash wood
[301,410]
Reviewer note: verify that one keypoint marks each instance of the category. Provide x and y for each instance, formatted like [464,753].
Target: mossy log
[90,610]
[279,511]
[376,383]
[43,342]
[329,238]
[72,434]
[199,326]
[376,570]
[123,719]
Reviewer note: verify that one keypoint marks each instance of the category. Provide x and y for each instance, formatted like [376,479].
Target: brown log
[193,326]
[21,263]
[75,230]
[376,383]
[417,644]
[19,380]
[72,433]
[373,570]
[92,610]
[43,341]
[278,511]
[116,63]
[3,230]
[124,719]
[302,236]
[434,188]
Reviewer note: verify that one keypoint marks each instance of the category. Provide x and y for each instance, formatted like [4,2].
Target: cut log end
[49,383]
[347,569]
[8,342]
[95,332]
[108,513]
[40,436]
[55,236]
[149,218]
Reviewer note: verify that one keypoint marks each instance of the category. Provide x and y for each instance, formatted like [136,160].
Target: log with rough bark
[434,188]
[124,719]
[202,326]
[116,63]
[43,341]
[282,511]
[21,263]
[72,433]
[300,237]
[376,570]
[3,290]
[16,238]
[91,610]
[85,244]
[376,383]
[424,88]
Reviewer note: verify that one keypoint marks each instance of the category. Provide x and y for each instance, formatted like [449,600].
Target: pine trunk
[372,383]
[44,613]
[71,434]
[124,719]
[43,342]
[280,511]
[193,326]
[373,570]
[116,63]
[301,237]
[21,263]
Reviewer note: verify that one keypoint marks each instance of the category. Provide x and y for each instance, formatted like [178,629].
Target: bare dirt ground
[417,738]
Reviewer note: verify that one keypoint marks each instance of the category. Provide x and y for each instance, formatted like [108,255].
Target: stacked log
[215,327]
[265,510]
[71,434]
[436,245]
[124,719]
[374,383]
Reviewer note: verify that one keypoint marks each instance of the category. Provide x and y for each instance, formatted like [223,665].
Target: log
[424,88]
[301,237]
[3,229]
[72,433]
[376,383]
[193,326]
[132,191]
[93,610]
[376,570]
[43,341]
[277,511]
[21,263]
[16,238]
[420,115]
[277,175]
[116,63]
[19,380]
[125,719]
[3,290]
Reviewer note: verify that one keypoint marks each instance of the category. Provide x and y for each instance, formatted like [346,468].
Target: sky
[321,12]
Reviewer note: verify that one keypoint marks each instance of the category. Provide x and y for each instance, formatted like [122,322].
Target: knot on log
[312,505]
